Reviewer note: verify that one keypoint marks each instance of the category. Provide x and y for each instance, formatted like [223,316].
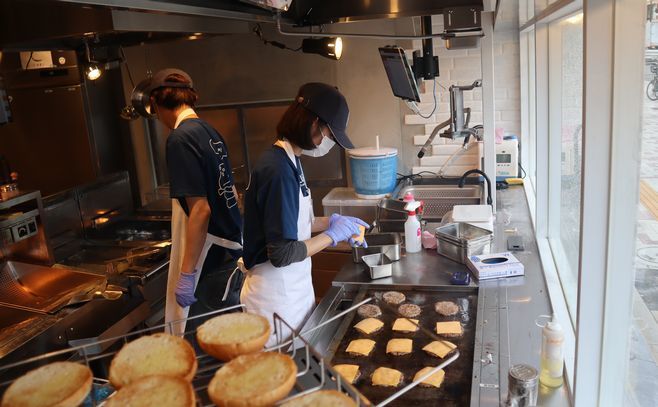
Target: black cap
[159,80]
[330,106]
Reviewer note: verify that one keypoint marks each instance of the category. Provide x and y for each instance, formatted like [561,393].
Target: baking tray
[456,387]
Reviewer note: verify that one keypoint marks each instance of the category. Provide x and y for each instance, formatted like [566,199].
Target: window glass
[565,132]
[532,110]
[642,373]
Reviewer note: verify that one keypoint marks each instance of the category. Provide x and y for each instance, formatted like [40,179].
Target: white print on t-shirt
[226,188]
[218,148]
[225,185]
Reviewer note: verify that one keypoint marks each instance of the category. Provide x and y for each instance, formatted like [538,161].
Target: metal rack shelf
[313,372]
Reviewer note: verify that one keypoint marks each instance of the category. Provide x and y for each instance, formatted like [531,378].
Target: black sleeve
[285,252]
[185,166]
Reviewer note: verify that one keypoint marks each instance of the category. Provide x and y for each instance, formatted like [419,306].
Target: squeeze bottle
[552,357]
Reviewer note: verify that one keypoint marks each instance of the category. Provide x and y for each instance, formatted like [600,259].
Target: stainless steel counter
[506,333]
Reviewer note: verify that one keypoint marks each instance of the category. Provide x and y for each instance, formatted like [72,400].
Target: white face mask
[323,149]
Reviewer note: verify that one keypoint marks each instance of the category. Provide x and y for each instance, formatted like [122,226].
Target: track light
[329,47]
[93,72]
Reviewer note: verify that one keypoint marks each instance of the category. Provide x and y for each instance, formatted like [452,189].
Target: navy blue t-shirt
[271,206]
[197,160]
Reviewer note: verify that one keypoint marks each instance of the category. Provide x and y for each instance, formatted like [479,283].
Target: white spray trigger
[412,206]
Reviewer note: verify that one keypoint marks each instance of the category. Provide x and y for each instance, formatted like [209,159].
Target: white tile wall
[463,67]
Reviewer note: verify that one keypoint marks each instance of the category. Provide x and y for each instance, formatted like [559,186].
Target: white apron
[173,311]
[287,291]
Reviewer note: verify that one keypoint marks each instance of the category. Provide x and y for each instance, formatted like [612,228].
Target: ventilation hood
[49,24]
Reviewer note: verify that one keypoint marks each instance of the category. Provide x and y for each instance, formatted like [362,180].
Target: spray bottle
[552,357]
[412,235]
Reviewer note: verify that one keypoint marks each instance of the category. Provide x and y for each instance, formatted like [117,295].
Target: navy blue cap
[330,106]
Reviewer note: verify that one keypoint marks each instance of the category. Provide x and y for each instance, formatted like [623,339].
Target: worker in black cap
[279,212]
[206,222]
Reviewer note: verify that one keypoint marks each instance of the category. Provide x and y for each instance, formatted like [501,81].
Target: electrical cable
[402,177]
[130,77]
[259,32]
[414,106]
[523,170]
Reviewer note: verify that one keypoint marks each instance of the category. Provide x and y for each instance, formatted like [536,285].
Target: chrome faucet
[462,181]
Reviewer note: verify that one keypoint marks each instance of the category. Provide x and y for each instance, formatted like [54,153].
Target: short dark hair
[173,98]
[295,125]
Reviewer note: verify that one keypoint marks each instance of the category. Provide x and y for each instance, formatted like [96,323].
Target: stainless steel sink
[438,199]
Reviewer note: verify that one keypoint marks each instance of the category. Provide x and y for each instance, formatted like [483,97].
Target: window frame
[604,304]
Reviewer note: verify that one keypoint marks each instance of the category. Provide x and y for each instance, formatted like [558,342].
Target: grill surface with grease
[456,388]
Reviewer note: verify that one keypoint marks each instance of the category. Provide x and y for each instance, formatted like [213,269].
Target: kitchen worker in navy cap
[278,215]
[206,223]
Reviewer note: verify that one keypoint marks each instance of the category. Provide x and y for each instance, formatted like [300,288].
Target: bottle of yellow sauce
[552,356]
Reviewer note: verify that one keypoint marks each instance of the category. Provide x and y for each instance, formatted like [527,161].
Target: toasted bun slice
[56,384]
[349,372]
[384,376]
[369,326]
[154,391]
[434,380]
[159,354]
[230,335]
[322,398]
[255,380]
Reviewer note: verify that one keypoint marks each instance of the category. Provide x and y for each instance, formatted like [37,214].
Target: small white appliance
[507,159]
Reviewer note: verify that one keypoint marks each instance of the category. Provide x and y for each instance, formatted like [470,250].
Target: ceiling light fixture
[93,72]
[329,47]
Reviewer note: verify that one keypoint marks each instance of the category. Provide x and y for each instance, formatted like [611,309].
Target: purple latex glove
[341,229]
[185,289]
[358,221]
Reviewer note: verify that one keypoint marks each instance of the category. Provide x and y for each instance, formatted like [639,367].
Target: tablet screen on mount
[399,73]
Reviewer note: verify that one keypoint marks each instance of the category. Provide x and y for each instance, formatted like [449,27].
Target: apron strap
[220,241]
[241,268]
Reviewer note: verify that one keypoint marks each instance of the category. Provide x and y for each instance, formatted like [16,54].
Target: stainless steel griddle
[456,388]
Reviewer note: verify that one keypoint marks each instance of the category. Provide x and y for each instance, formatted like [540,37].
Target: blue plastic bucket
[373,171]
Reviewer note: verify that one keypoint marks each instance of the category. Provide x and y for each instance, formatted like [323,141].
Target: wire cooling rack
[313,372]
